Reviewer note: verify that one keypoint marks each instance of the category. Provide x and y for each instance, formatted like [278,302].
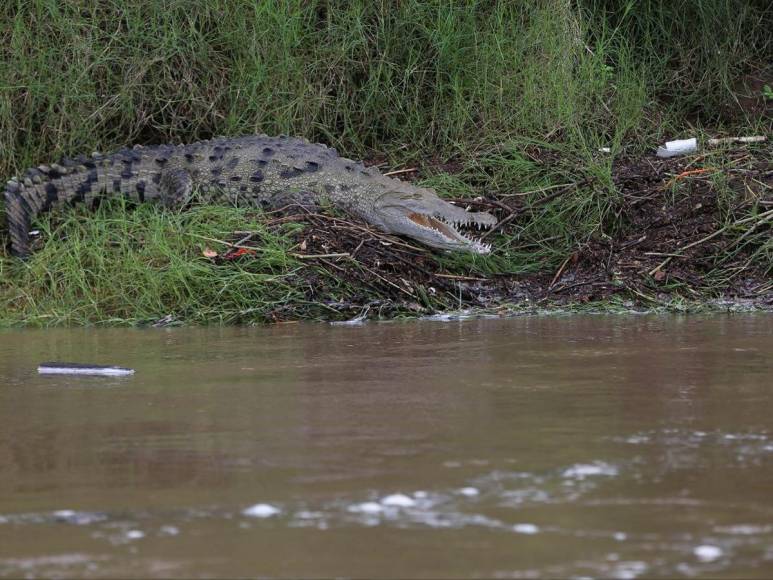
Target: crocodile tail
[18,215]
[36,192]
[83,179]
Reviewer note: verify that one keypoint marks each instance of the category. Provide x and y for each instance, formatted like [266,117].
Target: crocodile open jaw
[451,230]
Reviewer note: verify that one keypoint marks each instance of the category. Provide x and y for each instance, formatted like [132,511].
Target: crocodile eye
[407,196]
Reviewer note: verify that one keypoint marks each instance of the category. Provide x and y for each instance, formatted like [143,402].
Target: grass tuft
[125,265]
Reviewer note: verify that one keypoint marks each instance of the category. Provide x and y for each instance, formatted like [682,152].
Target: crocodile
[258,170]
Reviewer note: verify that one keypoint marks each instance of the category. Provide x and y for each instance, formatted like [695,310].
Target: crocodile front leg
[176,187]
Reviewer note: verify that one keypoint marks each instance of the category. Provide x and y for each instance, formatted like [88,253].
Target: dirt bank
[685,229]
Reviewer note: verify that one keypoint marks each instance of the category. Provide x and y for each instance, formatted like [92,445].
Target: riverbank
[560,148]
[679,234]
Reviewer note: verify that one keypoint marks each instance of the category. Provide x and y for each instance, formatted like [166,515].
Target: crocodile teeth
[472,223]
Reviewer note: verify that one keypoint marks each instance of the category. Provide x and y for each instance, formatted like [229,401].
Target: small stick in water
[64,368]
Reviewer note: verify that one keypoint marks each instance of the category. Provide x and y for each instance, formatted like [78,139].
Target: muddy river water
[579,446]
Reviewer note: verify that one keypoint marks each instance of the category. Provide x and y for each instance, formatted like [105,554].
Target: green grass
[142,263]
[477,81]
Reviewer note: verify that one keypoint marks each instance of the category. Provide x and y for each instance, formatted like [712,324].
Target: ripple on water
[63,564]
[469,503]
[629,569]
[398,500]
[749,442]
[526,529]
[367,507]
[261,510]
[78,518]
[582,471]
[708,552]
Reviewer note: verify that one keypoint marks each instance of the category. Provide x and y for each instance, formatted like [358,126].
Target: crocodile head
[420,214]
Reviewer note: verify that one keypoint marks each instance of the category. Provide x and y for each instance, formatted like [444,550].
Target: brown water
[531,447]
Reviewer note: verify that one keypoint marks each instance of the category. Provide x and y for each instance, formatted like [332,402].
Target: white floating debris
[469,491]
[358,320]
[583,470]
[398,500]
[525,529]
[64,514]
[63,368]
[620,536]
[261,510]
[170,530]
[135,534]
[309,515]
[629,570]
[77,518]
[368,507]
[678,147]
[707,553]
[745,530]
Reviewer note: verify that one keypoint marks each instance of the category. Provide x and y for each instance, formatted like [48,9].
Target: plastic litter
[725,140]
[685,146]
[678,147]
